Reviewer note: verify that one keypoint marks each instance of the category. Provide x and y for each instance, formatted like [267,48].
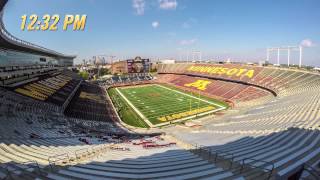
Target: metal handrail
[53,159]
[257,160]
[29,165]
[311,170]
[243,163]
[98,148]
[80,152]
[215,154]
[223,155]
[222,152]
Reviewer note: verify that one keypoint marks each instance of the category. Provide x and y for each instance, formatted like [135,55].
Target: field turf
[159,105]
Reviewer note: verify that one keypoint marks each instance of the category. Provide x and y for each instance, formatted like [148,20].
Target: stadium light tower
[187,57]
[288,57]
[278,59]
[300,56]
[198,54]
[288,49]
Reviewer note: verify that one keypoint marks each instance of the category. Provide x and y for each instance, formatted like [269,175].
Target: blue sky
[220,29]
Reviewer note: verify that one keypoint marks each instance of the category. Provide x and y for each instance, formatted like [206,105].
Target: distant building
[119,67]
[136,65]
[316,69]
[263,63]
[168,61]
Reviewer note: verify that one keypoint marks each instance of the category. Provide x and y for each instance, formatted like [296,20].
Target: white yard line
[189,117]
[135,109]
[192,96]
[178,120]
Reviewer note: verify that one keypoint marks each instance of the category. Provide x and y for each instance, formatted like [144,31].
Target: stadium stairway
[89,103]
[283,153]
[28,158]
[23,157]
[139,163]
[41,158]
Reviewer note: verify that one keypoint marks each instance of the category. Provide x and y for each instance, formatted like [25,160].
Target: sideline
[135,109]
[221,107]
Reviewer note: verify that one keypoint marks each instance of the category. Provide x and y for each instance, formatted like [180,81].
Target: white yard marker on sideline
[221,107]
[182,96]
[135,109]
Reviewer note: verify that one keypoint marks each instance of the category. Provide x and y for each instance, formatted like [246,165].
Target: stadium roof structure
[10,42]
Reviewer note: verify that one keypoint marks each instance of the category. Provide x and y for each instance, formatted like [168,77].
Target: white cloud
[189,23]
[155,24]
[188,42]
[168,4]
[139,6]
[307,43]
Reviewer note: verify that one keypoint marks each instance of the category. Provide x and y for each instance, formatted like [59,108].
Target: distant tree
[84,75]
[153,70]
[104,71]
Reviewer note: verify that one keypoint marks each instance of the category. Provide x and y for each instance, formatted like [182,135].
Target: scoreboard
[138,65]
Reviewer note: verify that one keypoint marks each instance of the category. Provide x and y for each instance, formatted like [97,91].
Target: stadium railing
[224,159]
[68,100]
[227,161]
[262,167]
[32,166]
[66,158]
[312,171]
[58,160]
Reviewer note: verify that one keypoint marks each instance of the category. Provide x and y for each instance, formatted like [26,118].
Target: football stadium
[186,120]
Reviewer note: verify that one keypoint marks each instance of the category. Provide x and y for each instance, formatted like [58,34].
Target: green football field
[159,105]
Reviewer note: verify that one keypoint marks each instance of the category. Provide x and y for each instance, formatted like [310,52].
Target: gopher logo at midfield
[199,84]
